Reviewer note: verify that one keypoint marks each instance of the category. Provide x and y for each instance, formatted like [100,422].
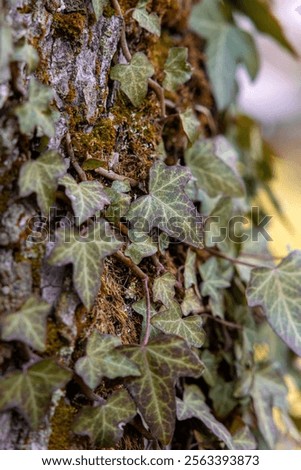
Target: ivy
[149,21]
[177,69]
[31,391]
[85,253]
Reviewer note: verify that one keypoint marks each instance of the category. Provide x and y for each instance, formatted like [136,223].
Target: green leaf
[278,291]
[212,285]
[140,249]
[133,77]
[36,111]
[167,206]
[30,391]
[161,363]
[98,6]
[104,423]
[86,197]
[103,360]
[164,289]
[190,269]
[41,177]
[243,439]
[213,176]
[149,21]
[221,395]
[170,321]
[140,308]
[211,363]
[86,254]
[216,225]
[28,324]
[267,391]
[194,406]
[191,124]
[262,16]
[28,54]
[191,303]
[177,69]
[163,242]
[227,46]
[120,202]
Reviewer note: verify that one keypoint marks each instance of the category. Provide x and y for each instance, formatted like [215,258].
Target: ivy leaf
[190,269]
[140,308]
[30,391]
[177,69]
[227,46]
[86,197]
[278,291]
[36,111]
[28,324]
[28,54]
[103,360]
[191,303]
[262,16]
[133,77]
[162,361]
[167,206]
[267,391]
[98,6]
[140,249]
[221,395]
[243,439]
[213,175]
[191,124]
[120,201]
[164,289]
[86,254]
[41,177]
[216,225]
[194,406]
[170,321]
[104,423]
[150,22]
[213,282]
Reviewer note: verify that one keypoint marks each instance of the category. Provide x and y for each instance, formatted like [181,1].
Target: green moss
[70,25]
[54,340]
[99,143]
[61,437]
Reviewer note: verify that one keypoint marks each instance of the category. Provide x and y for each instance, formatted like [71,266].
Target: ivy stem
[229,324]
[148,312]
[214,252]
[160,94]
[73,160]
[129,263]
[111,175]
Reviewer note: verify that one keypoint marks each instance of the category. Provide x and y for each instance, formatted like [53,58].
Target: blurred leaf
[212,174]
[212,285]
[170,322]
[221,395]
[162,361]
[191,303]
[103,360]
[86,254]
[41,177]
[149,21]
[93,164]
[190,269]
[36,112]
[98,6]
[243,439]
[194,406]
[261,14]
[177,69]
[191,124]
[28,54]
[133,77]
[86,198]
[104,423]
[30,391]
[28,324]
[278,291]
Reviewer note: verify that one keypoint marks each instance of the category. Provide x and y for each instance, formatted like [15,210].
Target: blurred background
[274,99]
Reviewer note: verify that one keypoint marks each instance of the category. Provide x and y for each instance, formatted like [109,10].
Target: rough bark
[76,53]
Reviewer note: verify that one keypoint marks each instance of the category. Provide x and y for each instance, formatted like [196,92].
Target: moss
[62,437]
[70,25]
[54,340]
[34,254]
[99,143]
